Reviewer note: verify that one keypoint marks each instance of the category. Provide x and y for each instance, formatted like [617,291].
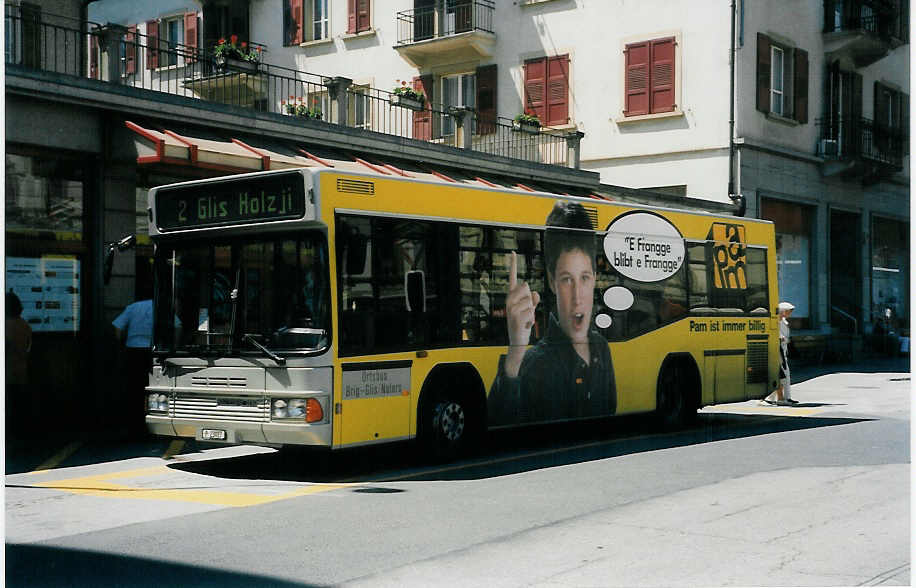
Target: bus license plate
[213,434]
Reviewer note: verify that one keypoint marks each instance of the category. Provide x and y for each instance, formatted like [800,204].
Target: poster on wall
[48,288]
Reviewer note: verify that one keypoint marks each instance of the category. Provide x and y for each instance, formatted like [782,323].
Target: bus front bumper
[231,432]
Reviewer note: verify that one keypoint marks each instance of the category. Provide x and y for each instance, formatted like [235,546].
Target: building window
[172,31]
[782,79]
[360,112]
[649,77]
[358,16]
[457,90]
[317,16]
[793,254]
[547,89]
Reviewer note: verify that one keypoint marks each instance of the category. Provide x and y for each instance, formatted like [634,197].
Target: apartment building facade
[819,141]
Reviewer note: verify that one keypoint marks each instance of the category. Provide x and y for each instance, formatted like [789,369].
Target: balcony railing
[861,138]
[115,55]
[433,22]
[875,17]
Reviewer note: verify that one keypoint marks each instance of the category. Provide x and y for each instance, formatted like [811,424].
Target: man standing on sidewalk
[135,325]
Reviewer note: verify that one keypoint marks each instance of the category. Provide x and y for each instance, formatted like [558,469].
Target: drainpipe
[737,199]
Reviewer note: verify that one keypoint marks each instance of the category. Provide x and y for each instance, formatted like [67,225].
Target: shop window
[793,254]
[890,272]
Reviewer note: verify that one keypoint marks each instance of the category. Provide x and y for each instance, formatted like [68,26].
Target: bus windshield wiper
[251,338]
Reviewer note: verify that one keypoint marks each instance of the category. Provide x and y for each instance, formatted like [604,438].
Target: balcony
[858,147]
[437,35]
[863,30]
[117,59]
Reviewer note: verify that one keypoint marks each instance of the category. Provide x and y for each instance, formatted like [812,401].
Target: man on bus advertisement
[568,373]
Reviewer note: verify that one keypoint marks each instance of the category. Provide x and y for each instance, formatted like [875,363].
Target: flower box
[231,64]
[527,127]
[408,102]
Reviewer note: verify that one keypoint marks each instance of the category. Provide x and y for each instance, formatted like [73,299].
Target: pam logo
[729,256]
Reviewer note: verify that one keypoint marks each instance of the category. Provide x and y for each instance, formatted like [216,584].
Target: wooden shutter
[636,82]
[130,50]
[661,75]
[152,44]
[362,15]
[94,56]
[422,119]
[557,90]
[763,73]
[535,85]
[296,18]
[351,16]
[190,35]
[486,99]
[800,86]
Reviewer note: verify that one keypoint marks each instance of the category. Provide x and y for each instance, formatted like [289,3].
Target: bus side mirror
[123,245]
[415,290]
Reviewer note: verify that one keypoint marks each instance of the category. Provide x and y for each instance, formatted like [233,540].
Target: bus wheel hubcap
[451,420]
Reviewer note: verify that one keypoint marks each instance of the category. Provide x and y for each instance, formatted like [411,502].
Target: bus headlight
[157,403]
[309,410]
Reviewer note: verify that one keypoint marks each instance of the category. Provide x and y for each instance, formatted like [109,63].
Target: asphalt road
[817,494]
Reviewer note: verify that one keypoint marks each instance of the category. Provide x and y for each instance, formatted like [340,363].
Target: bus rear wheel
[676,396]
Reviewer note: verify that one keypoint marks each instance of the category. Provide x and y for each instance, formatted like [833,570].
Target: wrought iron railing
[433,22]
[857,137]
[880,18]
[116,55]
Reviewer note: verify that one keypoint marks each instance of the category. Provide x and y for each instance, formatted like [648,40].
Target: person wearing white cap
[781,396]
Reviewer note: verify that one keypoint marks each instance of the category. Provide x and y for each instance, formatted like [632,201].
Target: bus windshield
[252,296]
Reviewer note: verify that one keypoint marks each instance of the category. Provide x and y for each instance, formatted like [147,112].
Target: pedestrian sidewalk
[867,365]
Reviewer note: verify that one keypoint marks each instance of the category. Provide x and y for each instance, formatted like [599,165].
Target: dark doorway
[845,271]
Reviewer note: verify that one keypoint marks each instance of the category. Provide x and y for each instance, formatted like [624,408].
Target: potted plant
[407,97]
[528,123]
[234,55]
[298,107]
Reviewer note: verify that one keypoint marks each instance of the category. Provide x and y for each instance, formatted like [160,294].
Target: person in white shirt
[782,395]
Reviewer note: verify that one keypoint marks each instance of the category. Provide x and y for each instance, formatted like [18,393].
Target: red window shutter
[296,12]
[800,98]
[763,73]
[190,35]
[130,50]
[486,99]
[661,78]
[637,79]
[94,57]
[535,86]
[362,15]
[422,119]
[152,44]
[557,90]
[351,16]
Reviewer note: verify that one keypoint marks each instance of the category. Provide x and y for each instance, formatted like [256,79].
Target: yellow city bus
[335,308]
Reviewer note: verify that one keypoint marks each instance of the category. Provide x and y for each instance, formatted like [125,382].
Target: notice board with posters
[49,289]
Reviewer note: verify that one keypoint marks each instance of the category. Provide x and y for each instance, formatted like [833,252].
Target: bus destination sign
[232,202]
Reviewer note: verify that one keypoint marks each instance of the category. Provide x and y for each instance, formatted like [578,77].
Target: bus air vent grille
[218,382]
[757,364]
[355,186]
[592,213]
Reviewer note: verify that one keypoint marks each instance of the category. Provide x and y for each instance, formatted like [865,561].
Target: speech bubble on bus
[618,298]
[644,247]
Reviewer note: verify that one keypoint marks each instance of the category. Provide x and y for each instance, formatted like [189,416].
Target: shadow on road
[37,566]
[506,452]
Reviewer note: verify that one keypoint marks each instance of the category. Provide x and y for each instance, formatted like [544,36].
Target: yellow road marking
[101,486]
[56,459]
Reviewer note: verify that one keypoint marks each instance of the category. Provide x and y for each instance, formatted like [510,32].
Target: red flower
[222,40]
[234,39]
[244,44]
